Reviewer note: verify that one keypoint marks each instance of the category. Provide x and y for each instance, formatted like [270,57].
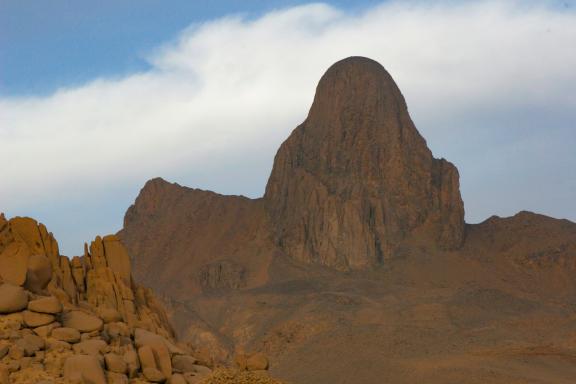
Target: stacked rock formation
[83,321]
[101,279]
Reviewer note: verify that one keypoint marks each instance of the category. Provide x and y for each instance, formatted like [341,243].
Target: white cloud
[233,88]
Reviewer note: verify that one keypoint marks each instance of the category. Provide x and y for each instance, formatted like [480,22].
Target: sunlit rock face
[356,178]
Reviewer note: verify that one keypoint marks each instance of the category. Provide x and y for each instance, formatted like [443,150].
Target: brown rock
[240,360]
[69,335]
[183,363]
[35,319]
[4,348]
[158,345]
[81,321]
[153,375]
[116,378]
[14,263]
[58,345]
[12,298]
[46,305]
[257,362]
[39,273]
[87,366]
[146,357]
[177,379]
[356,178]
[92,347]
[117,329]
[132,362]
[116,257]
[30,344]
[67,281]
[78,273]
[109,315]
[16,352]
[115,363]
[4,375]
[45,330]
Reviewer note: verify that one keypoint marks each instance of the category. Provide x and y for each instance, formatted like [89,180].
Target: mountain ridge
[356,265]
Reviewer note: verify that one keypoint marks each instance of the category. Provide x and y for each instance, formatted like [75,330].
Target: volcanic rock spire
[356,178]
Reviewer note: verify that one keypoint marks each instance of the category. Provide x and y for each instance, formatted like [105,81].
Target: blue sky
[49,44]
[96,98]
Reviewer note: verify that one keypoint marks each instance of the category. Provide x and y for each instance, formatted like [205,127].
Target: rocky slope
[85,320]
[356,265]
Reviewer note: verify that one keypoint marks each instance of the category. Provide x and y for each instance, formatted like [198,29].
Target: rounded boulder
[12,298]
[82,321]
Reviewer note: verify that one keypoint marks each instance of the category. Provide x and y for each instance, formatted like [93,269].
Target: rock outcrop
[85,320]
[356,178]
[80,321]
[356,265]
[101,279]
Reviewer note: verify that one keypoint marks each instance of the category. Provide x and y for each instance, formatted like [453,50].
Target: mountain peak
[356,178]
[356,82]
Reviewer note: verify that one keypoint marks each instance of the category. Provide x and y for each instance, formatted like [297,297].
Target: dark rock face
[356,178]
[222,274]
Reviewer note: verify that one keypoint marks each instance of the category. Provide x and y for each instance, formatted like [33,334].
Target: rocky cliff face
[356,178]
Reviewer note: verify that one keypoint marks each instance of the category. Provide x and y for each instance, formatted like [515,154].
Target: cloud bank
[490,85]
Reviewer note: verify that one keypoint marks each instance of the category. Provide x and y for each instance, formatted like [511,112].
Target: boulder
[35,319]
[257,362]
[117,329]
[177,379]
[46,330]
[116,378]
[201,370]
[115,363]
[69,335]
[158,344]
[48,304]
[240,361]
[153,375]
[132,362]
[12,298]
[183,363]
[146,356]
[88,367]
[4,375]
[109,315]
[31,344]
[82,321]
[58,345]
[14,263]
[39,273]
[90,347]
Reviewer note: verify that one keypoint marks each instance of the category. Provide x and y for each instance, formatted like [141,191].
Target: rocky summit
[356,178]
[356,266]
